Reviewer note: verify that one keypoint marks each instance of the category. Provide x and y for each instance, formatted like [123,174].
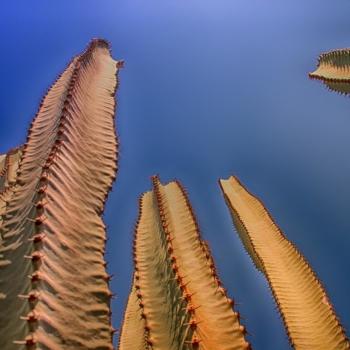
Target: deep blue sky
[209,88]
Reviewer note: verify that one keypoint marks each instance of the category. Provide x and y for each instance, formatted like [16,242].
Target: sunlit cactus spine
[177,300]
[54,291]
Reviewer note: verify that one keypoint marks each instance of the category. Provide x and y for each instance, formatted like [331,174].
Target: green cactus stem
[54,287]
[182,303]
[334,70]
[305,308]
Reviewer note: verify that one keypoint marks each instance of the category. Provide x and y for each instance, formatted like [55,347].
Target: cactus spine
[52,228]
[307,314]
[182,302]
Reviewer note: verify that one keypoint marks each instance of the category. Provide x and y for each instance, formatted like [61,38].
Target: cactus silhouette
[52,231]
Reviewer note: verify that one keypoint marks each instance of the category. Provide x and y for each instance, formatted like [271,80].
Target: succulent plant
[54,285]
[54,288]
[334,70]
[306,311]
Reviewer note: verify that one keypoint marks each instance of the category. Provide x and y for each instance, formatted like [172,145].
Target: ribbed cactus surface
[9,163]
[306,311]
[177,300]
[334,70]
[53,281]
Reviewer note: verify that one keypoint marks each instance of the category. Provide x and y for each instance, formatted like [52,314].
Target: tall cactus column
[306,311]
[54,286]
[177,300]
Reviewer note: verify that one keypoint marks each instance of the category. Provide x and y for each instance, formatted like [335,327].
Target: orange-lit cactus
[306,311]
[54,293]
[182,303]
[334,70]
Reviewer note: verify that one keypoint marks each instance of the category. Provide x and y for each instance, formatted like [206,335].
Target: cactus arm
[334,70]
[219,325]
[184,305]
[133,332]
[16,227]
[53,232]
[156,291]
[307,314]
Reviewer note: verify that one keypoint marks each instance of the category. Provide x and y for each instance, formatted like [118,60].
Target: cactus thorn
[193,323]
[37,238]
[194,342]
[35,257]
[28,341]
[31,317]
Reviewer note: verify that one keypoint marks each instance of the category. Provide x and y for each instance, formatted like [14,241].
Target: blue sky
[208,89]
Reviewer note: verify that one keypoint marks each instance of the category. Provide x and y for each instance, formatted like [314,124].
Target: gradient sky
[209,88]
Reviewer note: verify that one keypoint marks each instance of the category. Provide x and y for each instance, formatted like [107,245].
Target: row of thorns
[182,285]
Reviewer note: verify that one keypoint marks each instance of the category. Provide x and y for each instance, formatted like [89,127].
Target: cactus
[54,289]
[52,231]
[305,308]
[177,299]
[334,70]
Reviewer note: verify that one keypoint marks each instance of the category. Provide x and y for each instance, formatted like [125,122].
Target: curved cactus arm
[52,228]
[183,302]
[334,70]
[303,303]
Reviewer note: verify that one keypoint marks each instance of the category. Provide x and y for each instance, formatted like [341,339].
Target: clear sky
[209,88]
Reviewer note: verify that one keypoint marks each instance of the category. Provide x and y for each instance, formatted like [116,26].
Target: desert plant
[304,305]
[177,299]
[54,291]
[334,70]
[52,231]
